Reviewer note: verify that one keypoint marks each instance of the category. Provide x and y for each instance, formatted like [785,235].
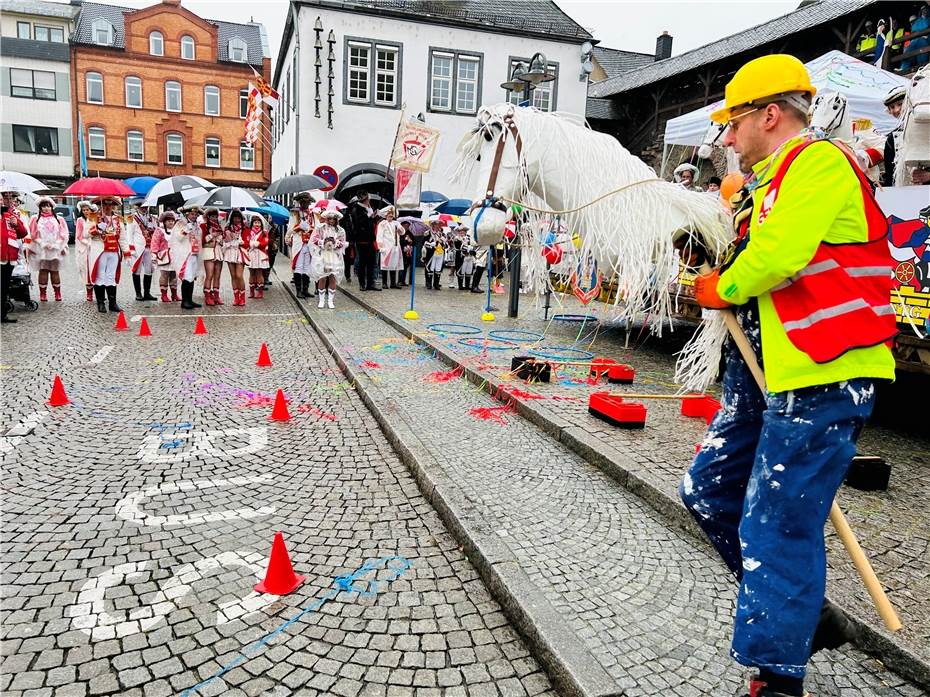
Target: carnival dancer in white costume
[185,252]
[387,235]
[299,231]
[434,254]
[87,218]
[211,254]
[232,254]
[108,244]
[141,228]
[329,242]
[49,235]
[255,251]
[161,248]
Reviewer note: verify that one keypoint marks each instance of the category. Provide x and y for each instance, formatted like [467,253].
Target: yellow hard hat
[762,79]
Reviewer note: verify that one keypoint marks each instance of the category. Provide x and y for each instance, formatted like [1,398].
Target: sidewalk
[893,526]
[604,570]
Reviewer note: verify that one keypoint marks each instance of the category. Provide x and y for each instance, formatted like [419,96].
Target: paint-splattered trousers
[761,488]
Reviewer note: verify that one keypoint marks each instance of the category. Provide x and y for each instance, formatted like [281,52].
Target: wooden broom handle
[840,524]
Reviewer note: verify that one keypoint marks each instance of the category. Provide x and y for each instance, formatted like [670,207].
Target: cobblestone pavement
[137,519]
[653,606]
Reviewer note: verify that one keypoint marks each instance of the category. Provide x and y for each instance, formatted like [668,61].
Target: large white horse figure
[830,115]
[626,217]
[914,143]
[713,138]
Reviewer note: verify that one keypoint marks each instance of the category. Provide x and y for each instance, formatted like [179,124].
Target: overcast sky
[627,24]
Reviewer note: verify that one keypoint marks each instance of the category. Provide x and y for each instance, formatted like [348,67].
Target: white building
[439,59]
[35,127]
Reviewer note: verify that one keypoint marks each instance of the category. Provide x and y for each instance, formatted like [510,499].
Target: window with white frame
[135,146]
[455,81]
[238,50]
[373,73]
[211,100]
[175,148]
[93,83]
[53,34]
[386,75]
[156,44]
[23,30]
[102,32]
[172,96]
[212,152]
[246,156]
[33,84]
[96,142]
[359,71]
[543,95]
[243,103]
[134,92]
[187,48]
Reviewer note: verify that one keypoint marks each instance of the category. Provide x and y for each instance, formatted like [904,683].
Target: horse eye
[478,159]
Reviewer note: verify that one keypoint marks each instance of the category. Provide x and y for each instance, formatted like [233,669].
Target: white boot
[329,299]
[322,298]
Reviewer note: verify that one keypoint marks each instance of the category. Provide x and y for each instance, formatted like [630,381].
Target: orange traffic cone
[58,398]
[264,360]
[144,328]
[201,327]
[280,578]
[280,412]
[121,325]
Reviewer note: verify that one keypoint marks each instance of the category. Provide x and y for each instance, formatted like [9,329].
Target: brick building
[161,91]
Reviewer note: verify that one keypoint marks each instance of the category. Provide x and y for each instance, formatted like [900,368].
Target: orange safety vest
[841,300]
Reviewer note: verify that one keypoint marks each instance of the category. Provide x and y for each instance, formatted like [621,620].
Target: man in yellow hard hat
[810,283]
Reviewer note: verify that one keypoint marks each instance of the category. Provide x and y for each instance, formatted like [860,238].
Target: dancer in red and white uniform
[161,248]
[48,246]
[87,218]
[255,249]
[186,238]
[299,229]
[211,254]
[232,254]
[141,228]
[108,244]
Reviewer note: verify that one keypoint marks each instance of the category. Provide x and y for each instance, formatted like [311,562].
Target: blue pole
[490,269]
[413,275]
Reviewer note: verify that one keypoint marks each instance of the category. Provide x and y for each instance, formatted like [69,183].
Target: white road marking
[202,443]
[23,427]
[130,507]
[101,354]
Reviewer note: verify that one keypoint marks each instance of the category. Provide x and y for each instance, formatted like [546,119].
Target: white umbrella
[17,181]
[186,186]
[227,197]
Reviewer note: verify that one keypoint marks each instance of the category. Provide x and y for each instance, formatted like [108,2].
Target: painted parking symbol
[90,614]
[189,444]
[131,507]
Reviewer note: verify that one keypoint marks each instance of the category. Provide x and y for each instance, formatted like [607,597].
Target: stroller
[20,281]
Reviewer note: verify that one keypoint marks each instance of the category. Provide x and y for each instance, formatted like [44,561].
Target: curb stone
[571,667]
[873,640]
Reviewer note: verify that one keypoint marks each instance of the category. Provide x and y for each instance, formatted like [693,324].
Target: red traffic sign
[327,174]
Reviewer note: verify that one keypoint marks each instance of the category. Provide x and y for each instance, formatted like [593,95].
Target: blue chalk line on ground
[396,565]
[558,353]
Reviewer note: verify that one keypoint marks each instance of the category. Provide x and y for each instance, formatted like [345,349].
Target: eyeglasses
[731,124]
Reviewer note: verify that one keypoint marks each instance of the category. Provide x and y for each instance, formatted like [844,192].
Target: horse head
[830,114]
[494,146]
[914,144]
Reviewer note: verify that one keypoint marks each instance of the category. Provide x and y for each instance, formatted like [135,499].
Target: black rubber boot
[833,629]
[476,280]
[111,298]
[137,284]
[101,300]
[393,276]
[299,285]
[187,296]
[147,287]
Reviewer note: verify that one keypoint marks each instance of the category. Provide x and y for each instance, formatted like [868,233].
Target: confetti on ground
[495,414]
[370,364]
[440,376]
[315,411]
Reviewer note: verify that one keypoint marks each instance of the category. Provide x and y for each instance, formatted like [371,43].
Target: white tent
[864,85]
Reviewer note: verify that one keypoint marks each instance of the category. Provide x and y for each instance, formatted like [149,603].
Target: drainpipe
[295,14]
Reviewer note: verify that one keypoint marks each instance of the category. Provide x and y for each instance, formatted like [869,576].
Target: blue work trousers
[761,488]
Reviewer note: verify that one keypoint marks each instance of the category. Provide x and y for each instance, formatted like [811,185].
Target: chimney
[663,46]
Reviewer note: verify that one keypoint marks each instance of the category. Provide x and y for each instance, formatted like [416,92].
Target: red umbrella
[329,204]
[99,186]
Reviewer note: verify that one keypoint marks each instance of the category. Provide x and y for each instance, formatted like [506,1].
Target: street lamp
[527,79]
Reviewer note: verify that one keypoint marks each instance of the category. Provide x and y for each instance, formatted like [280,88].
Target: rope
[581,207]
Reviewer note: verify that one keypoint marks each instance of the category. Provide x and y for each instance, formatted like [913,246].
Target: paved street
[138,518]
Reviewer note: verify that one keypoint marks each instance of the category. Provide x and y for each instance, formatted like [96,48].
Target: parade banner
[907,209]
[414,146]
[407,186]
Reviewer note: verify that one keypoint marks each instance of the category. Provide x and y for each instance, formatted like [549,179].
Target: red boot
[251,290]
[242,298]
[259,292]
[174,294]
[216,297]
[43,293]
[57,290]
[164,295]
[90,294]
[208,297]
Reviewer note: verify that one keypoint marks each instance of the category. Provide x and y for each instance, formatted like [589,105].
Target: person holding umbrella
[12,233]
[388,237]
[232,254]
[211,251]
[361,218]
[87,218]
[329,241]
[298,238]
[142,262]
[187,239]
[49,235]
[108,242]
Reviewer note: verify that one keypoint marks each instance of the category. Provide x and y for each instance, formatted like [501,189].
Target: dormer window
[187,48]
[102,32]
[156,44]
[238,50]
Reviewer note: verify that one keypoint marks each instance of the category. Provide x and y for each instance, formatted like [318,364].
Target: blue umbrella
[141,185]
[455,206]
[433,197]
[278,213]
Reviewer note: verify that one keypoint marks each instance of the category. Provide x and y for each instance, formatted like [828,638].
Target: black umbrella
[294,183]
[369,176]
[227,197]
[179,188]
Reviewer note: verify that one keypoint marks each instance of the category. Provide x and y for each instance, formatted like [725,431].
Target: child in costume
[49,244]
[329,241]
[161,248]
